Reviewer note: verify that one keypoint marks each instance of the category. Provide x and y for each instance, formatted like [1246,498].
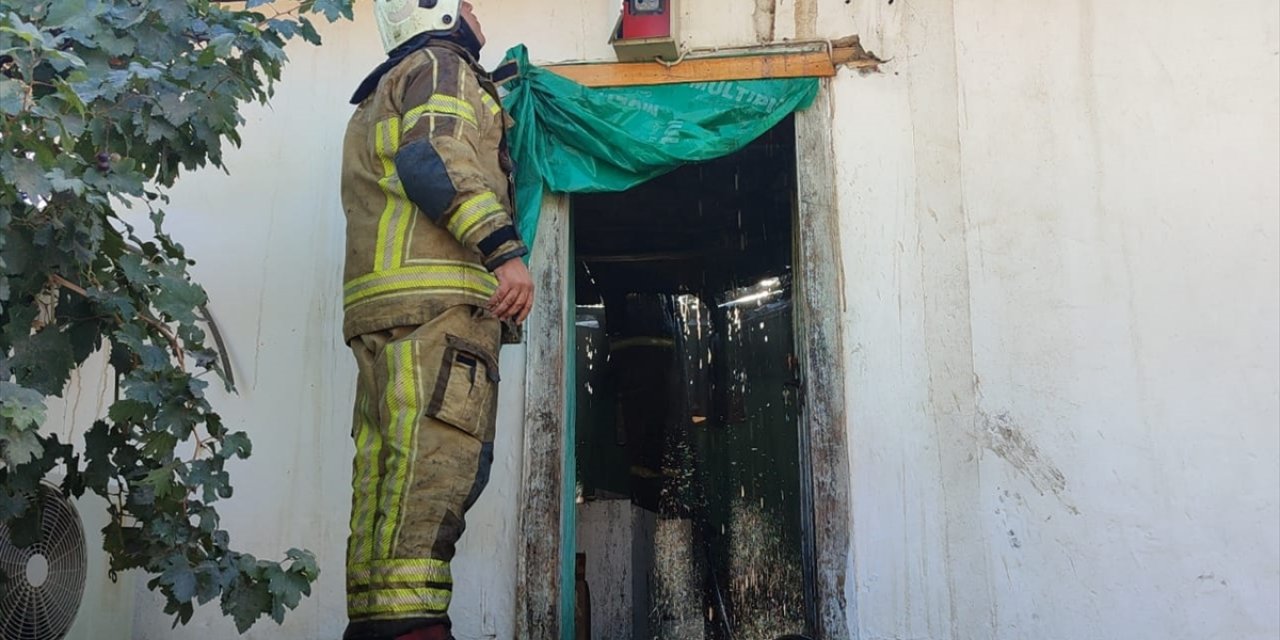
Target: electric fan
[45,581]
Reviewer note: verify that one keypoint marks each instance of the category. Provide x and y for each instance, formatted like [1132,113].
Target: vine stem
[200,444]
[67,284]
[156,324]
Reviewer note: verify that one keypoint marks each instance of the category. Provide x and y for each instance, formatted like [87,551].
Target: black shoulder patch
[508,70]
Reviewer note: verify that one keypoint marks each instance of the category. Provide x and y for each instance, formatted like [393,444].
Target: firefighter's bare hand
[514,298]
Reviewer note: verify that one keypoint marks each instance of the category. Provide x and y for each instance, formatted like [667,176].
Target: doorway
[548,511]
[688,484]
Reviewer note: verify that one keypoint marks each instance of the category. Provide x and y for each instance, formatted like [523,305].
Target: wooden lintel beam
[749,67]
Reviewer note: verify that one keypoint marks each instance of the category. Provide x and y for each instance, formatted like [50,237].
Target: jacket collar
[397,55]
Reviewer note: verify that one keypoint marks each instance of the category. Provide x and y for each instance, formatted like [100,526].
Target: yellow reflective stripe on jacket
[398,211]
[423,600]
[490,102]
[437,275]
[472,212]
[441,104]
[398,571]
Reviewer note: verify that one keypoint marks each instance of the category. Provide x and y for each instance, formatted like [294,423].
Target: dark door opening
[687,403]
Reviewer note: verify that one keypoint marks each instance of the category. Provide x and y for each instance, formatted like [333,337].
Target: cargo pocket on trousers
[464,386]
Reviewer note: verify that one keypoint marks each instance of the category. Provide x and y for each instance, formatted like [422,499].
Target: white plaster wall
[1123,264]
[1062,296]
[1061,257]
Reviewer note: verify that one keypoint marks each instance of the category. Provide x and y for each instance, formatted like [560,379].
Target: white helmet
[400,20]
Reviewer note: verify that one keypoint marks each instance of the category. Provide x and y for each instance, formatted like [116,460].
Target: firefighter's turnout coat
[427,196]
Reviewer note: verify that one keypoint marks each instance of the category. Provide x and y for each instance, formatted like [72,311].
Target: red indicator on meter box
[646,31]
[646,19]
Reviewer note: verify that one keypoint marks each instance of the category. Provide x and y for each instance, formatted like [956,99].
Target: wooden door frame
[819,301]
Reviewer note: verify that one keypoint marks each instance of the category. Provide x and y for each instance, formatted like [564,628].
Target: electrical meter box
[646,31]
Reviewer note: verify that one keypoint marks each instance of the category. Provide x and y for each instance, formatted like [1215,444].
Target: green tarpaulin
[573,139]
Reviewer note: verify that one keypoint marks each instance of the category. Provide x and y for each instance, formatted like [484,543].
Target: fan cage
[44,610]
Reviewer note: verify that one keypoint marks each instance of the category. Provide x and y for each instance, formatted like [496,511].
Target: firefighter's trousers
[423,429]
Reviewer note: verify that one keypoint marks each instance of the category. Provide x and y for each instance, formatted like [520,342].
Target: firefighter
[434,283]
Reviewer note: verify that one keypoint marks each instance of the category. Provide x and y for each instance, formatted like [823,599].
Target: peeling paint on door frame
[819,309]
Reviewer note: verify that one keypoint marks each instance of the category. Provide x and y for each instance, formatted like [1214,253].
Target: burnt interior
[687,397]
